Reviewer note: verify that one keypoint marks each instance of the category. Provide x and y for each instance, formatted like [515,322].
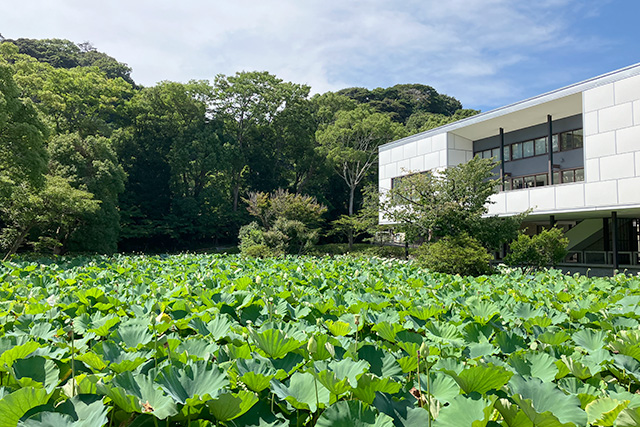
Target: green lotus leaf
[338,328]
[138,393]
[260,415]
[442,386]
[197,348]
[511,414]
[403,412]
[103,325]
[301,392]
[218,327]
[553,338]
[369,384]
[603,412]
[192,383]
[382,363]
[38,370]
[275,343]
[590,340]
[538,365]
[628,418]
[545,404]
[133,335]
[465,412]
[352,413]
[483,311]
[84,410]
[481,379]
[256,373]
[14,405]
[8,357]
[425,312]
[92,360]
[228,406]
[387,330]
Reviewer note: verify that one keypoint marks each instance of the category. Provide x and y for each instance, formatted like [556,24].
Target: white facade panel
[498,206]
[417,163]
[636,113]
[456,157]
[618,166]
[424,146]
[590,123]
[570,196]
[542,198]
[390,170]
[384,157]
[592,170]
[432,161]
[598,98]
[627,90]
[384,184]
[410,150]
[599,145]
[443,158]
[628,140]
[397,154]
[603,193]
[617,117]
[439,142]
[629,191]
[404,167]
[517,201]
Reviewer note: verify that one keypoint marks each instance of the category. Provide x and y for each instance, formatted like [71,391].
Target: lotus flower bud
[357,318]
[163,317]
[424,349]
[312,345]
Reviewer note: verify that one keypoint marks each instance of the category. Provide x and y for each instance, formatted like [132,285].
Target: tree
[248,103]
[351,142]
[91,164]
[57,210]
[454,201]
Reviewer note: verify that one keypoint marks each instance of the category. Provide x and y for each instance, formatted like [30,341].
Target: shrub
[541,250]
[289,224]
[461,254]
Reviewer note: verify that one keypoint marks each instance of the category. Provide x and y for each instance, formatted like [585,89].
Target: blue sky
[486,53]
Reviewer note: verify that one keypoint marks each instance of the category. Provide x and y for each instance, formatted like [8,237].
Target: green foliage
[350,144]
[196,339]
[289,224]
[459,254]
[544,249]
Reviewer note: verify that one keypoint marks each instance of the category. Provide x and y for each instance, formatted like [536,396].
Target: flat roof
[573,89]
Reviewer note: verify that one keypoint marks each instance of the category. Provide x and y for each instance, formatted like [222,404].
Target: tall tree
[91,164]
[249,102]
[351,142]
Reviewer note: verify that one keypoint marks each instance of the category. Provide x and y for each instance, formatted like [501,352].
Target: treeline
[90,161]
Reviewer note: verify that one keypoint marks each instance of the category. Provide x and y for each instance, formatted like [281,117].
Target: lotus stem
[429,392]
[73,361]
[419,385]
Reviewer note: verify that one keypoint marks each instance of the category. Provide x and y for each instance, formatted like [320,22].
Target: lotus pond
[203,340]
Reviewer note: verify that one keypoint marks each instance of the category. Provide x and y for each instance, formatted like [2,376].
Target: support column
[502,159]
[606,236]
[614,239]
[550,141]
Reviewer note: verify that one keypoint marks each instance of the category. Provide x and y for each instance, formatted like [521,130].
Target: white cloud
[461,47]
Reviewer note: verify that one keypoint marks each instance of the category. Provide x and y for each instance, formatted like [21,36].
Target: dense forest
[90,161]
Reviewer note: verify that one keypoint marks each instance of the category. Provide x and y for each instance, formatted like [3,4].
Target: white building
[587,179]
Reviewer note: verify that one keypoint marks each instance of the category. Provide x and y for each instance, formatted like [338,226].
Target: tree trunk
[16,243]
[350,237]
[352,191]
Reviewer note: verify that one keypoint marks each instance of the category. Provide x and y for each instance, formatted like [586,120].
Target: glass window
[486,154]
[517,183]
[495,153]
[507,153]
[567,176]
[507,184]
[556,177]
[577,138]
[541,146]
[529,181]
[566,143]
[527,149]
[541,180]
[516,151]
[554,143]
[579,174]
